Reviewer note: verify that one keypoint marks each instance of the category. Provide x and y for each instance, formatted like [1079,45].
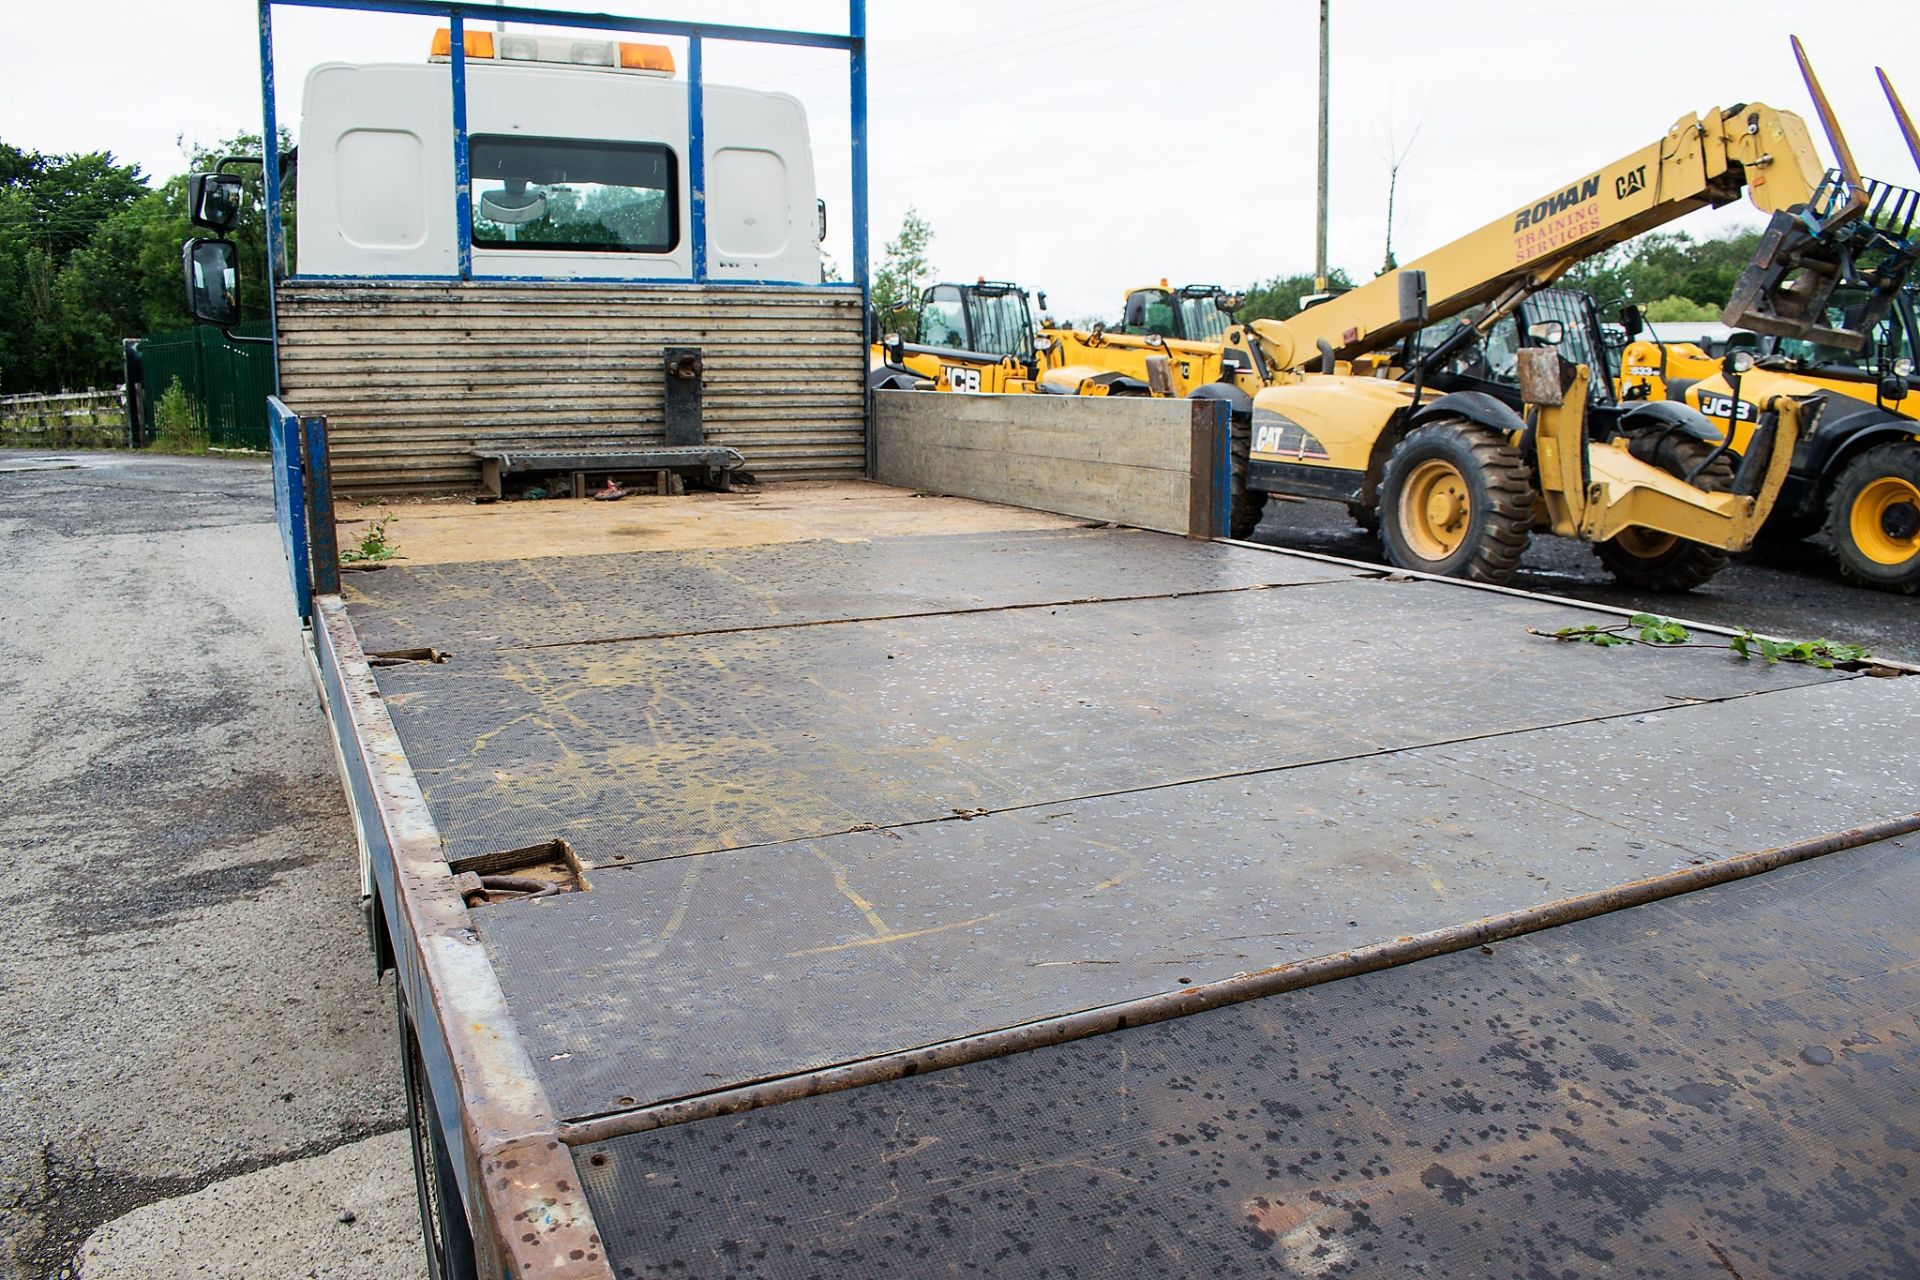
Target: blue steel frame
[289,500]
[459,12]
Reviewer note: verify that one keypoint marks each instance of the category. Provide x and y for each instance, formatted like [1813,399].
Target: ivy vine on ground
[1664,633]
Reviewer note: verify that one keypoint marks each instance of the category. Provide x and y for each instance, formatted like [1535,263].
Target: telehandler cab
[1192,312]
[968,337]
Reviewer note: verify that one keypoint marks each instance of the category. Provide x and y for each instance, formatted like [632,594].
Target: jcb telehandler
[969,337]
[1857,477]
[1458,481]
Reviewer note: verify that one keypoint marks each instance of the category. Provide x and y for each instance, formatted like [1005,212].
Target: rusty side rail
[1235,990]
[521,1191]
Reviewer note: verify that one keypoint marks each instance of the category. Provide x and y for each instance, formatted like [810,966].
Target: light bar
[613,55]
[479,44]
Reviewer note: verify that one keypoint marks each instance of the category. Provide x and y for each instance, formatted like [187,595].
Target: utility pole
[1320,219]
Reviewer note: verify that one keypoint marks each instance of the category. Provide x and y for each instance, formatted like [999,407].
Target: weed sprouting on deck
[374,544]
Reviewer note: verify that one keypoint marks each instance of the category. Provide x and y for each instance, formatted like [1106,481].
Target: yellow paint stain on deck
[455,531]
[841,882]
[890,937]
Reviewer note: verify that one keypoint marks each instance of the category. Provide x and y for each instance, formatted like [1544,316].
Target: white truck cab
[578,162]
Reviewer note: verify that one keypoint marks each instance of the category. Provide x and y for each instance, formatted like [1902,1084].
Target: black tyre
[1368,518]
[443,1219]
[1873,518]
[1456,500]
[1247,505]
[1651,561]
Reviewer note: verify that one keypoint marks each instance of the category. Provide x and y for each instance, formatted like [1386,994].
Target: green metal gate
[229,382]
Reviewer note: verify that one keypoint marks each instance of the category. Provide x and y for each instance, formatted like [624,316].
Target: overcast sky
[1094,146]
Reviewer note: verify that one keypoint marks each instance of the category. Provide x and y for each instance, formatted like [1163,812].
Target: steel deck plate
[637,750]
[1715,1085]
[471,608]
[681,976]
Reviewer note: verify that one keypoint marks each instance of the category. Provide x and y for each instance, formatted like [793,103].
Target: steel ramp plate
[647,749]
[686,975]
[1714,1085]
[469,608]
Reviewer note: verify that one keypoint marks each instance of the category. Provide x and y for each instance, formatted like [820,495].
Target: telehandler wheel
[443,1219]
[1874,518]
[1368,518]
[1659,561]
[1246,505]
[1456,499]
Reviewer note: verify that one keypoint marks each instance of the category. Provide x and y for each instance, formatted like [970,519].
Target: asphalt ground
[193,1044]
[197,1074]
[1789,591]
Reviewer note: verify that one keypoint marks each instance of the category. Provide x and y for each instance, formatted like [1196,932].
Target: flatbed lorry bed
[956,889]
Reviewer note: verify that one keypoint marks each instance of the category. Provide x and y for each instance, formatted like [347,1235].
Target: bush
[178,424]
[1678,310]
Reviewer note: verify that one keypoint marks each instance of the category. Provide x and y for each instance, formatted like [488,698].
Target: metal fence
[229,383]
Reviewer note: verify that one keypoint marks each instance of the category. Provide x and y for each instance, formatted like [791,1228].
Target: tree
[1667,264]
[1675,309]
[51,207]
[90,254]
[1279,298]
[904,272]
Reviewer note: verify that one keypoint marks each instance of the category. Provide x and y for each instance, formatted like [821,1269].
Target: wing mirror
[214,200]
[213,282]
[1042,296]
[1632,321]
[1736,362]
[1547,332]
[1413,298]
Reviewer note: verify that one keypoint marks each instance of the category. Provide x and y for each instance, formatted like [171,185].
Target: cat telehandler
[1459,480]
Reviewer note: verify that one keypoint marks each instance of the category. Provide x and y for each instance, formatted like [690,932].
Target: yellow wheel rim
[1885,521]
[1436,506]
[1644,544]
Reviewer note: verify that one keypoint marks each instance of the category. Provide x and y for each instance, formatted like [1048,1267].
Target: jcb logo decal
[1629,182]
[1722,407]
[962,379]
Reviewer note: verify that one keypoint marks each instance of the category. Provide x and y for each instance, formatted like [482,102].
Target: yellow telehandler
[1458,481]
[975,338]
[1857,478]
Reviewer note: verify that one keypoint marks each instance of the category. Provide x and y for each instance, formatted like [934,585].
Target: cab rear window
[574,194]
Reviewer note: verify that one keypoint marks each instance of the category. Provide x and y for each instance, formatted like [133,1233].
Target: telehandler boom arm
[1702,161]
